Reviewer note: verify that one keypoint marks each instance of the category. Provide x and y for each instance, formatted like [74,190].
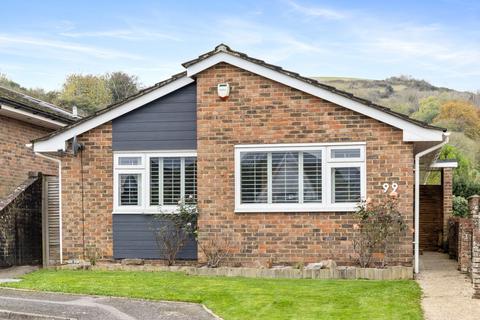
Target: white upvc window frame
[144,171]
[117,156]
[327,164]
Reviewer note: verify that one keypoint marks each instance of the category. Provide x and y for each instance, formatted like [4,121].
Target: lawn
[245,298]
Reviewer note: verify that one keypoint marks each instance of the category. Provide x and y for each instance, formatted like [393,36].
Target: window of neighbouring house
[306,177]
[166,177]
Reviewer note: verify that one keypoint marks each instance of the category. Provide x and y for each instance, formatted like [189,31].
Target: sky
[41,42]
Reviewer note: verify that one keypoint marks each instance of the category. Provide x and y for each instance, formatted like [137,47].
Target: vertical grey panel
[168,123]
[133,237]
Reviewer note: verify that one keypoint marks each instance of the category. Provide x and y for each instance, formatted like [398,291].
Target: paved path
[447,293]
[8,274]
[83,307]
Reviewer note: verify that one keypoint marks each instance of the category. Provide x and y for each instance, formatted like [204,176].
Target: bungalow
[276,162]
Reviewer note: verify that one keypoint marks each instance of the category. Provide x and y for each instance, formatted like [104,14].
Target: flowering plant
[380,224]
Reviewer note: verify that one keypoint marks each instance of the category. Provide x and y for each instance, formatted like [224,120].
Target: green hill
[402,93]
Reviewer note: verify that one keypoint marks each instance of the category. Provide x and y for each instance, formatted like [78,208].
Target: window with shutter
[276,178]
[254,177]
[346,184]
[129,189]
[167,179]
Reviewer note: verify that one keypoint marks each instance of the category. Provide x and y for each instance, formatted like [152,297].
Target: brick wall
[16,160]
[447,182]
[262,111]
[97,195]
[464,244]
[474,205]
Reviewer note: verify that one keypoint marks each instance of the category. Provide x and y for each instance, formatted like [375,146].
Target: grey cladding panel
[134,237]
[168,123]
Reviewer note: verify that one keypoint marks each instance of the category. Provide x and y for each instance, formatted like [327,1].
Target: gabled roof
[413,130]
[28,104]
[226,49]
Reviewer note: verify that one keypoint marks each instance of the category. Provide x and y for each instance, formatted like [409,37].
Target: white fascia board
[30,117]
[411,131]
[58,142]
[450,164]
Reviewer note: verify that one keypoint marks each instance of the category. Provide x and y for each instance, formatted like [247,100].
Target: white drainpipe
[417,197]
[59,162]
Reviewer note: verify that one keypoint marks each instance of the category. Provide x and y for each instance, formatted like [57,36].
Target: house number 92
[387,186]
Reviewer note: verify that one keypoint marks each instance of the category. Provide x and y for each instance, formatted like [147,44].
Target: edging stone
[340,272]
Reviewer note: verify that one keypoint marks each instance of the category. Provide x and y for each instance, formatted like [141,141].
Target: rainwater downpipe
[417,198]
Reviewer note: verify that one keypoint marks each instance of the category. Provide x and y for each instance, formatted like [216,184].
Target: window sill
[151,210]
[344,207]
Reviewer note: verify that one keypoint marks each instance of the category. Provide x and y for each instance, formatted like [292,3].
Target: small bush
[460,206]
[216,250]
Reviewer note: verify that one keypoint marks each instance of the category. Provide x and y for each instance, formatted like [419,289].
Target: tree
[459,116]
[121,85]
[87,92]
[466,177]
[429,109]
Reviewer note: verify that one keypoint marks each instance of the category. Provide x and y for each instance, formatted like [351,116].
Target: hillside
[402,94]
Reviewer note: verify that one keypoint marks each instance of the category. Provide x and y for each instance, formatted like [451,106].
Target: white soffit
[411,131]
[57,142]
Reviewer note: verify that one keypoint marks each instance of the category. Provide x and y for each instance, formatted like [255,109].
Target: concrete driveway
[447,293]
[26,305]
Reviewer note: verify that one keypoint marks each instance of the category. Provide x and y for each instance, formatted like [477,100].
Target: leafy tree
[87,92]
[466,177]
[429,109]
[121,85]
[460,116]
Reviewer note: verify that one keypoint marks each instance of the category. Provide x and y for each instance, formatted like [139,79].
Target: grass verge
[245,298]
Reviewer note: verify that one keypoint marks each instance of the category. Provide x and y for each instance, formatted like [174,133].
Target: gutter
[417,198]
[59,162]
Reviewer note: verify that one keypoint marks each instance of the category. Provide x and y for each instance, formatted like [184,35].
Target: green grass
[244,298]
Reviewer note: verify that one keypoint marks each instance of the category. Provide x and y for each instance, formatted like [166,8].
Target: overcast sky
[439,41]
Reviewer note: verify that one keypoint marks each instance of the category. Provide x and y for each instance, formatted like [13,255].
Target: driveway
[31,305]
[447,293]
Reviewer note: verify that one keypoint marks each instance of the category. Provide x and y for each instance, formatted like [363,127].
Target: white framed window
[299,177]
[153,182]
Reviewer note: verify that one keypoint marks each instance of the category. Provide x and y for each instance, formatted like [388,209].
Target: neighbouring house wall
[97,191]
[16,160]
[261,111]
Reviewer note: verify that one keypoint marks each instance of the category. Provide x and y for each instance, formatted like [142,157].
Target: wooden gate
[51,221]
[431,217]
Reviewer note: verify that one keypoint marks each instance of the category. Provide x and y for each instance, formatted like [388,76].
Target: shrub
[173,237]
[381,224]
[460,207]
[216,250]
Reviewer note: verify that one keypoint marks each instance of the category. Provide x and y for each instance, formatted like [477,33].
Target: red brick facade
[16,160]
[261,111]
[91,226]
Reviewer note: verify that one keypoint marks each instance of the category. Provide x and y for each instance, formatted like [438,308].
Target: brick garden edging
[340,272]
